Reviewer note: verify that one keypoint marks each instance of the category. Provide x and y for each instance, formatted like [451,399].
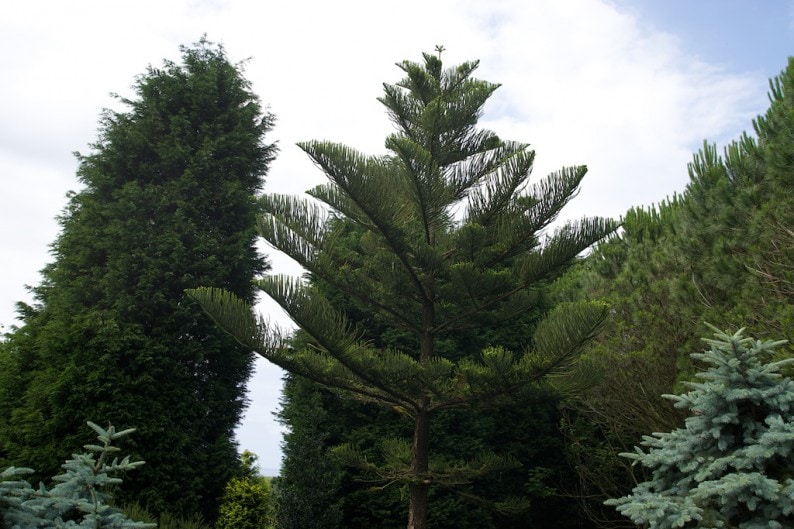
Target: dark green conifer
[723,252]
[168,203]
[310,488]
[307,490]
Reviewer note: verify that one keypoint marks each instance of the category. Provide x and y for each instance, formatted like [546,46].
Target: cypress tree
[450,240]
[168,203]
[307,489]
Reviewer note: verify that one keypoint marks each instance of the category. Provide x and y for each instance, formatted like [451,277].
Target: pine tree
[731,466]
[527,433]
[723,251]
[310,488]
[451,240]
[168,203]
[639,352]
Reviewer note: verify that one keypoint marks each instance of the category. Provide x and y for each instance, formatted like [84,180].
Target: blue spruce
[80,497]
[731,466]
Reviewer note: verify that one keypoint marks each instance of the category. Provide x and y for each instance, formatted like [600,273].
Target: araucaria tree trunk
[450,237]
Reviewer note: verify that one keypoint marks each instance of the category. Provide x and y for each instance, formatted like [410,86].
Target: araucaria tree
[168,204]
[731,466]
[450,239]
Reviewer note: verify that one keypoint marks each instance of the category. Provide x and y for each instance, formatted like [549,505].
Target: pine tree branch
[319,153]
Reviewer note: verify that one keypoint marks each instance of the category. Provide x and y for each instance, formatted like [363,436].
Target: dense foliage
[721,252]
[441,328]
[528,433]
[308,485]
[731,465]
[168,203]
[450,239]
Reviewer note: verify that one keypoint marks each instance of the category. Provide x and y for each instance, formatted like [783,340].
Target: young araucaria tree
[451,238]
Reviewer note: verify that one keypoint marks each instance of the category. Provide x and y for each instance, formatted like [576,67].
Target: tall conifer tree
[168,204]
[450,239]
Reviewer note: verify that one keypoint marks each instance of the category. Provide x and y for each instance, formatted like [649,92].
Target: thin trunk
[417,509]
[418,489]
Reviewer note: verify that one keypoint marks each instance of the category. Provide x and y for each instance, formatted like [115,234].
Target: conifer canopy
[168,203]
[451,235]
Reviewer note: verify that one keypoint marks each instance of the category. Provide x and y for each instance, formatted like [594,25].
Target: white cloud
[586,85]
[583,82]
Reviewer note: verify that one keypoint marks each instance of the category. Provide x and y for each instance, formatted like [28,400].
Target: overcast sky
[630,88]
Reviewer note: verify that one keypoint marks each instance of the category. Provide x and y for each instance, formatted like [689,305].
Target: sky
[631,88]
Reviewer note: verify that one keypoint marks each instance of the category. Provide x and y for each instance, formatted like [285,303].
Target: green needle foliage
[305,491]
[310,493]
[168,203]
[731,466]
[722,251]
[80,497]
[450,238]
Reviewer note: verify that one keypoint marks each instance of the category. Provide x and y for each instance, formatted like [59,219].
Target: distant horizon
[265,472]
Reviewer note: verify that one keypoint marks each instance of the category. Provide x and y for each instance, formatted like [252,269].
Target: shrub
[246,504]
